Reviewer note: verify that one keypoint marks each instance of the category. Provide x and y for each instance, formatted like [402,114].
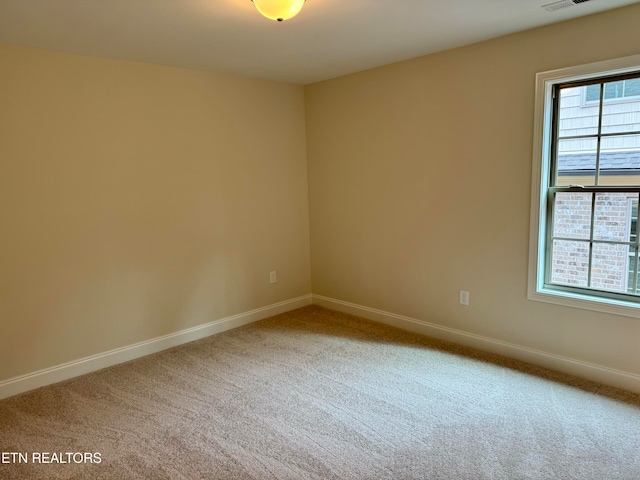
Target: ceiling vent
[552,7]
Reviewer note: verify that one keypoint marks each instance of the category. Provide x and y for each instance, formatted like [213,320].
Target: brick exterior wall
[570,259]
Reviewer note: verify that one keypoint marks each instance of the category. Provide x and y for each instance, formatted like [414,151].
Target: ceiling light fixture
[279,9]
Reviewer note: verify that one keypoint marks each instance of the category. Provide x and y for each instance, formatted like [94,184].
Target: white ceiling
[327,39]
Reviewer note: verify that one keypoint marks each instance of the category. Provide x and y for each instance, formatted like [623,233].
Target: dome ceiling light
[279,10]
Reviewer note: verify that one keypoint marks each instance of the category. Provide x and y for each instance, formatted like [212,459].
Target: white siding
[578,117]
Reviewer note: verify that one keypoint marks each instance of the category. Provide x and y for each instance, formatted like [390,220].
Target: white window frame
[540,184]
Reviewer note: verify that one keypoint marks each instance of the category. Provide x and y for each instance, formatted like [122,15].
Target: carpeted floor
[315,394]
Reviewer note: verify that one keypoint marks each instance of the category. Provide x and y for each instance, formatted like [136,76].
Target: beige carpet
[315,394]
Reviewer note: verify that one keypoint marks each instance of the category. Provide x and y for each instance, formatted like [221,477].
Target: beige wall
[420,185]
[139,200]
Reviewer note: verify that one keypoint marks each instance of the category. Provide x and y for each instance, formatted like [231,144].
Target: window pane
[618,145]
[576,117]
[614,90]
[570,263]
[620,160]
[622,116]
[592,93]
[632,269]
[609,267]
[612,216]
[572,215]
[632,87]
[633,217]
[577,161]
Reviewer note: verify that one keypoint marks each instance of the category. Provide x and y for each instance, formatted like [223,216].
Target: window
[619,89]
[584,250]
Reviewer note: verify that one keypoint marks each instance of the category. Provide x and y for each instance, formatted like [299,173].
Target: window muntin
[594,184]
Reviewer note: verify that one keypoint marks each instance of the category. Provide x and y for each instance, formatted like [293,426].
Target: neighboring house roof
[574,162]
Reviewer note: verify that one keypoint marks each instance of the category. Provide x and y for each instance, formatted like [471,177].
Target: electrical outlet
[464,297]
[273,277]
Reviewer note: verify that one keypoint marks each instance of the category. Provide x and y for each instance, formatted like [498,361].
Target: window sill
[585,302]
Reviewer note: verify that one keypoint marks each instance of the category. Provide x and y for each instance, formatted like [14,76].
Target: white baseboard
[75,368]
[590,371]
